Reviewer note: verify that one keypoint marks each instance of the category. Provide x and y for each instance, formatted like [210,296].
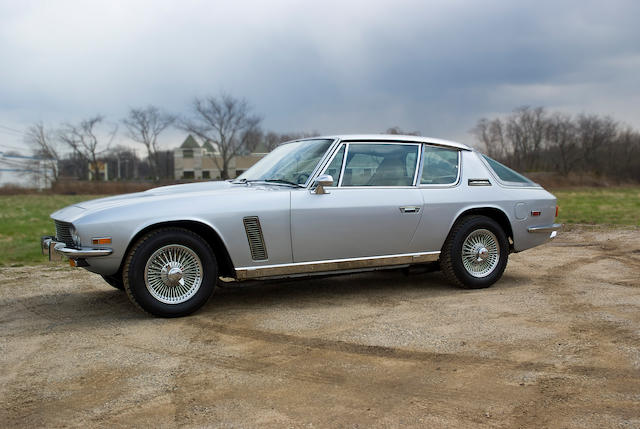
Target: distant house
[193,161]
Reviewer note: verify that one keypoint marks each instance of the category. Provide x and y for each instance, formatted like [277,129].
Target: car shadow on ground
[373,288]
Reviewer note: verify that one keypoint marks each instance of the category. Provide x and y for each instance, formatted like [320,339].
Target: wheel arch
[208,233]
[494,213]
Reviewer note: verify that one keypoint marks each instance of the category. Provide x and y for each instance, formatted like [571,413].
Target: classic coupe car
[322,205]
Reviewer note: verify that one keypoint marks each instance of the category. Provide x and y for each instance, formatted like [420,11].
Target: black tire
[141,292]
[115,281]
[451,257]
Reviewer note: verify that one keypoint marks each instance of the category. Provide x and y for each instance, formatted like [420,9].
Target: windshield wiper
[286,182]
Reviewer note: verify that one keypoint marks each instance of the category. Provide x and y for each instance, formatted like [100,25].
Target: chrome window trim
[344,163]
[407,143]
[332,265]
[330,160]
[320,164]
[442,185]
[418,173]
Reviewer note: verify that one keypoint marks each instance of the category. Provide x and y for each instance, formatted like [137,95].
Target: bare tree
[399,131]
[594,134]
[561,136]
[225,121]
[491,134]
[83,139]
[253,137]
[144,125]
[526,129]
[272,140]
[44,146]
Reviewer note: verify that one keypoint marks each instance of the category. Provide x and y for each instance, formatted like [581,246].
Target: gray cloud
[328,66]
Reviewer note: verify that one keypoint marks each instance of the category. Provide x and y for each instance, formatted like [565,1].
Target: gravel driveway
[555,343]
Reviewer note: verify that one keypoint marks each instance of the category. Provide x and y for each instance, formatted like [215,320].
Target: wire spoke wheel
[173,274]
[480,253]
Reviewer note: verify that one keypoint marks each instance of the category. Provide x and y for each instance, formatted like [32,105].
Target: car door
[439,184]
[373,209]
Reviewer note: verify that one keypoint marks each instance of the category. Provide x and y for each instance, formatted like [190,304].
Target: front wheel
[170,272]
[475,253]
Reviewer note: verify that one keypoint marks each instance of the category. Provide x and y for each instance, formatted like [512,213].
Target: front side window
[439,166]
[379,164]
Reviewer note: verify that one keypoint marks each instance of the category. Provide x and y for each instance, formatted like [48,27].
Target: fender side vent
[255,237]
[479,182]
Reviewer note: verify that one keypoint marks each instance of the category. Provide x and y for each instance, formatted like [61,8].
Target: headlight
[74,236]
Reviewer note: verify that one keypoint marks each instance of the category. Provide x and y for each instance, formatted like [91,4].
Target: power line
[11,147]
[12,129]
[11,133]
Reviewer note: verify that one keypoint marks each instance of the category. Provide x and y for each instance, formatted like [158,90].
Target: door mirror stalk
[321,182]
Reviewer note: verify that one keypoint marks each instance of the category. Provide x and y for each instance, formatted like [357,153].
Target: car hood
[172,192]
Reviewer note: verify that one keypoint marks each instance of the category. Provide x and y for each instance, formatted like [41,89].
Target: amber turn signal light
[101,240]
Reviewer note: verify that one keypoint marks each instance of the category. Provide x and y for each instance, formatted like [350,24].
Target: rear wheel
[170,272]
[475,253]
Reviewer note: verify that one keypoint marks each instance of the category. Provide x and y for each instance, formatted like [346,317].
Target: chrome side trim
[545,228]
[244,273]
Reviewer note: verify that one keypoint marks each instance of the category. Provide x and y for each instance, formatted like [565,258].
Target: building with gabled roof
[193,161]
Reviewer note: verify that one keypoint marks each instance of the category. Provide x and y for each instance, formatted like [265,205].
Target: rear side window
[439,166]
[505,173]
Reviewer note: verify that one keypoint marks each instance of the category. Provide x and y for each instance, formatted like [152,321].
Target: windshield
[292,162]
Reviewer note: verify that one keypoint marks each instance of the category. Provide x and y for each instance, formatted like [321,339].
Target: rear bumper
[552,229]
[545,228]
[50,247]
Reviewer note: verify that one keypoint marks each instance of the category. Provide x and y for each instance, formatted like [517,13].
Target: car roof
[394,137]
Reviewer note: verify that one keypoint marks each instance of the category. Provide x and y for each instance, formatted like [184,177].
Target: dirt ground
[555,343]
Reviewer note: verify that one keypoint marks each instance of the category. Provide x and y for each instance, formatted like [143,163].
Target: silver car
[313,206]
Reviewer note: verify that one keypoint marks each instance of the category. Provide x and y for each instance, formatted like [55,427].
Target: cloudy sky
[333,67]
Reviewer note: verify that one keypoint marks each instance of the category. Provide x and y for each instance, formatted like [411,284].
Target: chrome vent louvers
[63,233]
[255,237]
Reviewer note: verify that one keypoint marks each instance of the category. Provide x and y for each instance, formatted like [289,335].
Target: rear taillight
[557,207]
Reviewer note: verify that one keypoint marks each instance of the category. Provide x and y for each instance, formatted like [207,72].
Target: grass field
[24,218]
[609,206]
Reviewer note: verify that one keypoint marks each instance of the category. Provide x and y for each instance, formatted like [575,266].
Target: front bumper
[50,247]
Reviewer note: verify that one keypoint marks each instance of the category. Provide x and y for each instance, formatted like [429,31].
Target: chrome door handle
[410,209]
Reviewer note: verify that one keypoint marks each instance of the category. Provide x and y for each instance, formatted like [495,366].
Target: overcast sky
[332,67]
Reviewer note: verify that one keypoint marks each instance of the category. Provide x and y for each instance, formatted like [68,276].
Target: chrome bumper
[545,228]
[553,229]
[50,246]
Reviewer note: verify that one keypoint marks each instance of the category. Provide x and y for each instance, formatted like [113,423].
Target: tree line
[79,149]
[529,139]
[533,139]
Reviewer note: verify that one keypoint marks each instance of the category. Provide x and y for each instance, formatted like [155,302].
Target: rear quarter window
[506,174]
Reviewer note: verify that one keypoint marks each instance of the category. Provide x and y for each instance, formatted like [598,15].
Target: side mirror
[321,182]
